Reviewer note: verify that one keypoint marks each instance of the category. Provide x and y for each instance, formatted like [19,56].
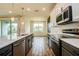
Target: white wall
[57,10]
[27,24]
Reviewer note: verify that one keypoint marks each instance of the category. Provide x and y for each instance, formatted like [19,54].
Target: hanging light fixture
[22,11]
[12,18]
[22,15]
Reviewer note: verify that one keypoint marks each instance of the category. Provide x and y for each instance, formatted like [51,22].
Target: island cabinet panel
[28,43]
[19,47]
[6,51]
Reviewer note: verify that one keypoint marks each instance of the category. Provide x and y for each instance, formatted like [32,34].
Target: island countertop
[4,41]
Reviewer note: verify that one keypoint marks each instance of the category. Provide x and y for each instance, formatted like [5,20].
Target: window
[38,27]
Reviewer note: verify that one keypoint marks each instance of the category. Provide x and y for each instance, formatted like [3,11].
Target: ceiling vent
[36,10]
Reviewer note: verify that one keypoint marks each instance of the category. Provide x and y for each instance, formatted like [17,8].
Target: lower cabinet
[65,52]
[54,45]
[68,50]
[6,51]
[28,43]
[18,48]
[49,41]
[22,47]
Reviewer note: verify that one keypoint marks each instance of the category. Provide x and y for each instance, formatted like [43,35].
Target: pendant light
[12,18]
[22,16]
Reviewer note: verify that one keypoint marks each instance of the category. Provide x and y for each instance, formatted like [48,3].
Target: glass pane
[6,32]
[38,27]
[41,27]
[0,28]
[35,27]
[14,28]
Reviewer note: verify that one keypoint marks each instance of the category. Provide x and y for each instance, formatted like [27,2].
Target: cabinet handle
[16,44]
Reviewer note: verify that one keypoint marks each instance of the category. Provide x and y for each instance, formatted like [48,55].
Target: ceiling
[16,8]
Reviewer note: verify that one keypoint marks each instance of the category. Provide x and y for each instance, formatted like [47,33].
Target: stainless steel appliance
[65,16]
[19,48]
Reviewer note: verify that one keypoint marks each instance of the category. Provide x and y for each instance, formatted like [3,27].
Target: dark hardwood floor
[40,47]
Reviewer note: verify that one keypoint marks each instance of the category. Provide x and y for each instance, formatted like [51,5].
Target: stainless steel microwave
[65,16]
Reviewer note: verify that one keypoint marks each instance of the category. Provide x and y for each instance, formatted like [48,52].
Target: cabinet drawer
[65,52]
[70,48]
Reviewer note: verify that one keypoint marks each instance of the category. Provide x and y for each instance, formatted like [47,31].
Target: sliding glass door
[5,28]
[8,28]
[14,28]
[0,28]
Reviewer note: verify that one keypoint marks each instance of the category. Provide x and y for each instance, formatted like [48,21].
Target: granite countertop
[56,35]
[72,41]
[4,41]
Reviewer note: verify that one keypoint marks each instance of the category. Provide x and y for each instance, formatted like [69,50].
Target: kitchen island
[14,46]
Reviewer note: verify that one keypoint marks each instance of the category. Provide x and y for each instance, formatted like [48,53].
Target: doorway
[38,28]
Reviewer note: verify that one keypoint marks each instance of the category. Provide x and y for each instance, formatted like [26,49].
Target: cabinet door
[29,42]
[49,41]
[55,48]
[65,52]
[6,51]
[26,45]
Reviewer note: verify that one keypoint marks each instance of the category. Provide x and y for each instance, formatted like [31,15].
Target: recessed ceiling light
[10,11]
[28,9]
[36,10]
[12,18]
[22,23]
[43,9]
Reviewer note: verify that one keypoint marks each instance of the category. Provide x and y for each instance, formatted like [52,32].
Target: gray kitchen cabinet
[19,47]
[68,50]
[6,51]
[28,43]
[49,41]
[65,52]
[53,44]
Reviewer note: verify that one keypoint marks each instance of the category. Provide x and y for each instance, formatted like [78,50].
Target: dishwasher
[19,48]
